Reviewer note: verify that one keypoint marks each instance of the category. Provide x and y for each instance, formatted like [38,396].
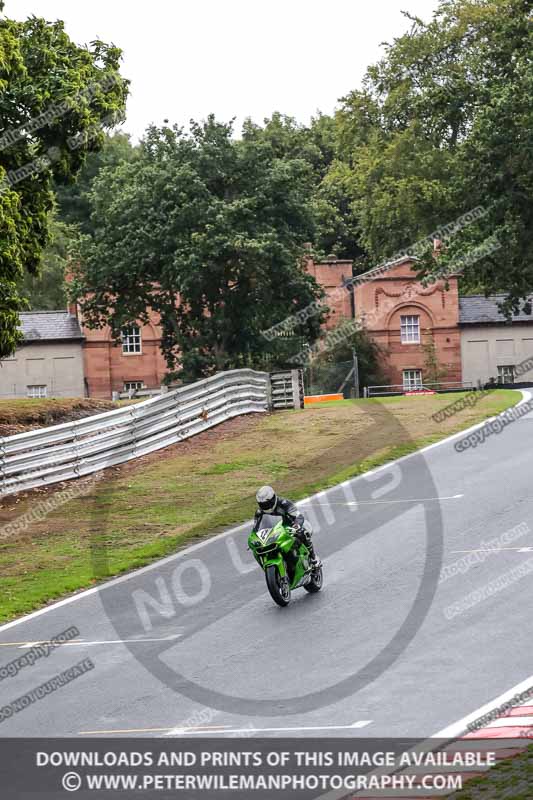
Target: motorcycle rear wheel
[279,588]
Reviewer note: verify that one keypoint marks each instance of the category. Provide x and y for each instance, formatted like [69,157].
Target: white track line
[193,548]
[362,723]
[210,730]
[496,550]
[460,727]
[457,729]
[207,730]
[82,642]
[378,502]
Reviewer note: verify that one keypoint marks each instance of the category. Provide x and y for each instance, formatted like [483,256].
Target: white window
[412,379]
[131,339]
[37,391]
[132,386]
[506,374]
[410,329]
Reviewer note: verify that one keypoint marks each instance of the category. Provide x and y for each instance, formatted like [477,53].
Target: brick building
[332,274]
[135,363]
[399,313]
[402,316]
[472,340]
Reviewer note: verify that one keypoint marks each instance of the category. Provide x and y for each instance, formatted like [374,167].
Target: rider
[270,503]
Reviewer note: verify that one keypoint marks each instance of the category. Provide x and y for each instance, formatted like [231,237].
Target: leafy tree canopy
[217,221]
[46,290]
[317,145]
[55,98]
[73,198]
[443,124]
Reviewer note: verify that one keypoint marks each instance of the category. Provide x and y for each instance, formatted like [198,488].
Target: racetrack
[194,645]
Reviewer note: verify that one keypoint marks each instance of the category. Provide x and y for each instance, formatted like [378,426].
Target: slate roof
[478,309]
[49,326]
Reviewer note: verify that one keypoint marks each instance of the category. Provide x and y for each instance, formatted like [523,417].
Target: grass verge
[149,508]
[511,778]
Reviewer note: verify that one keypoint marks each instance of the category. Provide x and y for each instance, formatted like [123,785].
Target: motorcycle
[285,561]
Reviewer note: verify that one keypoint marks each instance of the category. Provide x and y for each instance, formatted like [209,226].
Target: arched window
[410,328]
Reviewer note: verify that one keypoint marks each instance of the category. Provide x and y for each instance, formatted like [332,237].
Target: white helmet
[266,499]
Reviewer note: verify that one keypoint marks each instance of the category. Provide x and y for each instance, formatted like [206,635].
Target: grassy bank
[511,779]
[148,508]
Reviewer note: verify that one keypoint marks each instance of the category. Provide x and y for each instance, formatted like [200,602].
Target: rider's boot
[314,560]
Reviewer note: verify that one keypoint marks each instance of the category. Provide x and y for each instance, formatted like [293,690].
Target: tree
[433,371]
[46,291]
[317,145]
[332,360]
[337,224]
[55,98]
[219,221]
[496,159]
[73,198]
[401,189]
[444,123]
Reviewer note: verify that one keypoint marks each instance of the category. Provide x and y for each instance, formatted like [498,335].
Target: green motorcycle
[285,561]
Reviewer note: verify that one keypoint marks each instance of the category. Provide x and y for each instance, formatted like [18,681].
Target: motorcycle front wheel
[279,588]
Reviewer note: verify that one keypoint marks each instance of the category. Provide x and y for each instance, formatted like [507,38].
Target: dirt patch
[19,416]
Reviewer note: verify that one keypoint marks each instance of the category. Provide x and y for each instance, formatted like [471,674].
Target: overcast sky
[234,58]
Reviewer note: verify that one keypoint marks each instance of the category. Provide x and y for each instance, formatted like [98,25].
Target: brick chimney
[72,308]
[437,247]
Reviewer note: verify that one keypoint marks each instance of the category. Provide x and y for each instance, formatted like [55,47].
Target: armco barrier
[70,450]
[287,389]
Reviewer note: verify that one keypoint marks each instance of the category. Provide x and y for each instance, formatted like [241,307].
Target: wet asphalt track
[374,654]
